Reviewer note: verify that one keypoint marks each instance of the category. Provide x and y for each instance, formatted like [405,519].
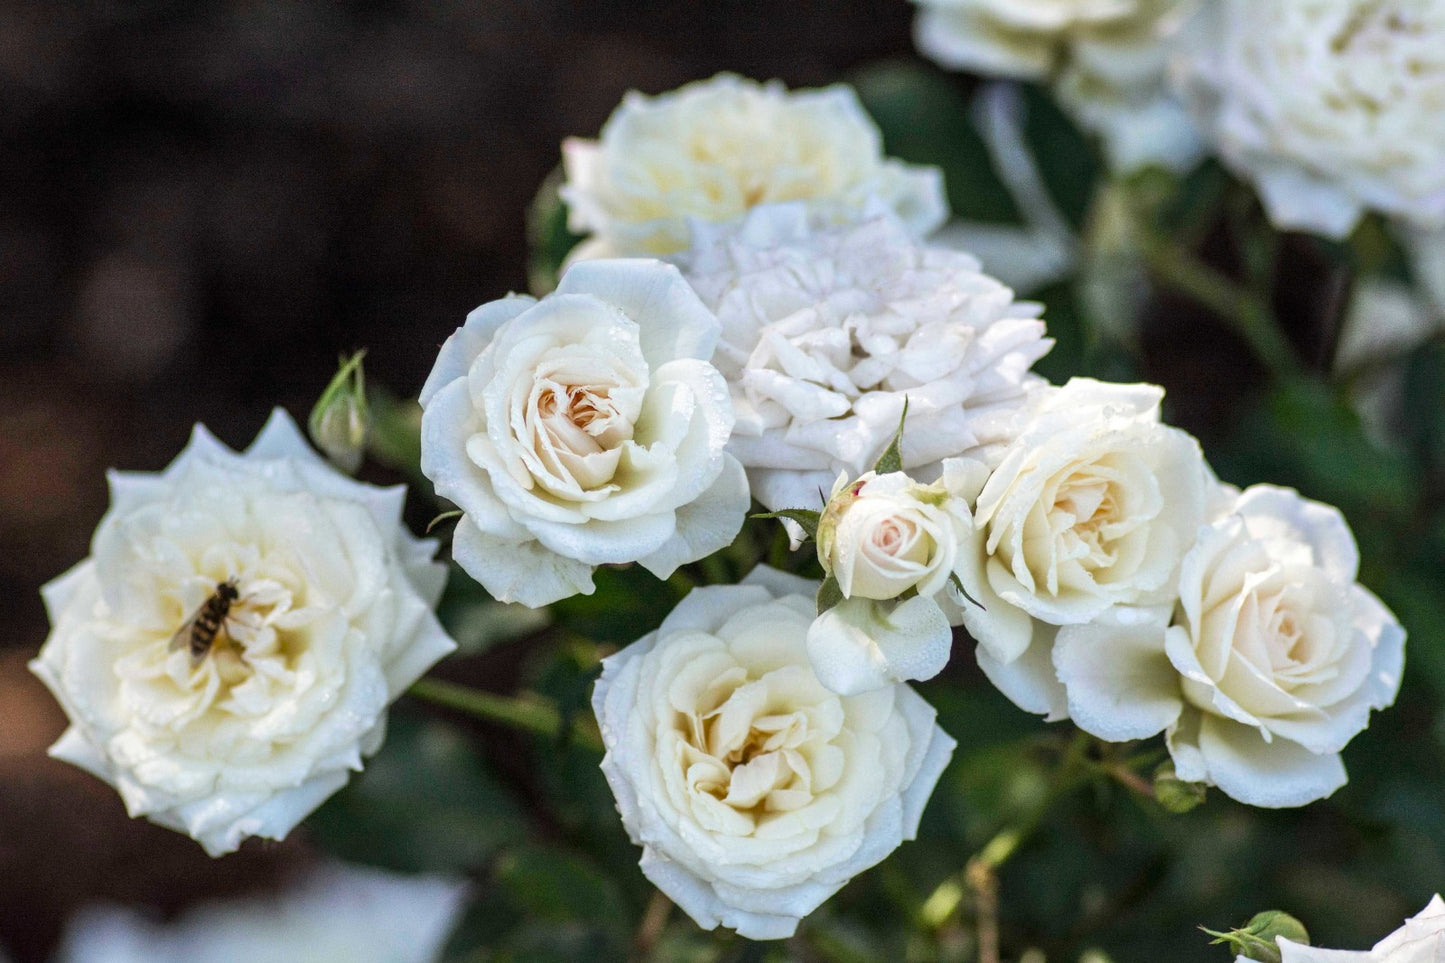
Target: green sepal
[830,593]
[806,518]
[892,458]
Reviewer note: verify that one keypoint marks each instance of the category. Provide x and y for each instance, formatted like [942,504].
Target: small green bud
[1256,939]
[339,421]
[1174,794]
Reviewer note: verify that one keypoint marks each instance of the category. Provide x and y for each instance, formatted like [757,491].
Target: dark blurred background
[201,205]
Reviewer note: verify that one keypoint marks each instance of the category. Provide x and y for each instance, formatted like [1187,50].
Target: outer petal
[468,341]
[705,525]
[1272,775]
[858,645]
[1120,683]
[1029,681]
[522,571]
[674,323]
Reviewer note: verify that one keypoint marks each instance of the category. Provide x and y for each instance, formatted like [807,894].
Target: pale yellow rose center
[749,750]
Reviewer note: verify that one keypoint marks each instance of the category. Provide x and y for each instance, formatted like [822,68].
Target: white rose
[1272,663]
[333,621]
[1420,940]
[1108,60]
[583,429]
[755,792]
[334,912]
[1331,107]
[1093,506]
[882,536]
[826,333]
[714,149]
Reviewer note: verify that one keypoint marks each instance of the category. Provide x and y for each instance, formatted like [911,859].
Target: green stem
[980,874]
[1245,311]
[528,715]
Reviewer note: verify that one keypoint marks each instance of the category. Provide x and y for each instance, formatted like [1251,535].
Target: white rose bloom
[1108,60]
[1420,940]
[755,792]
[1273,661]
[581,430]
[335,912]
[1092,507]
[882,536]
[825,333]
[332,622]
[713,149]
[1331,107]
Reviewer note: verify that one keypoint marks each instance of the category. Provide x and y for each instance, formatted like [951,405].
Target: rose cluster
[227,654]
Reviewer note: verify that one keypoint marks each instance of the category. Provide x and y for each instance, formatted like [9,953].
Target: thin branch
[530,715]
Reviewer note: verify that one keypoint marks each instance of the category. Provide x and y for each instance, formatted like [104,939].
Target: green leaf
[425,802]
[892,458]
[806,518]
[554,884]
[829,594]
[1306,435]
[627,604]
[548,239]
[925,119]
[395,436]
[1066,157]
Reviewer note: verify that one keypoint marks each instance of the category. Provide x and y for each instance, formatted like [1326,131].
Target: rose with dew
[755,792]
[890,543]
[1272,660]
[827,333]
[583,429]
[1093,506]
[715,149]
[331,620]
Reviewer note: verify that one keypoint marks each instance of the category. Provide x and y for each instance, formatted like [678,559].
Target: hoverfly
[198,633]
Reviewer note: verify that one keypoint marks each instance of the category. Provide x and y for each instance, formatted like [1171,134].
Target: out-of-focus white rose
[1427,257]
[1108,60]
[335,912]
[1420,940]
[755,792]
[332,622]
[1331,107]
[714,149]
[1093,506]
[1272,663]
[825,333]
[583,429]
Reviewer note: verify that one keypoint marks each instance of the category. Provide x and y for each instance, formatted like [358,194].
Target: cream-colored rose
[1092,507]
[1272,662]
[1420,940]
[1331,107]
[882,535]
[332,621]
[581,430]
[827,333]
[755,792]
[1107,60]
[714,149]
